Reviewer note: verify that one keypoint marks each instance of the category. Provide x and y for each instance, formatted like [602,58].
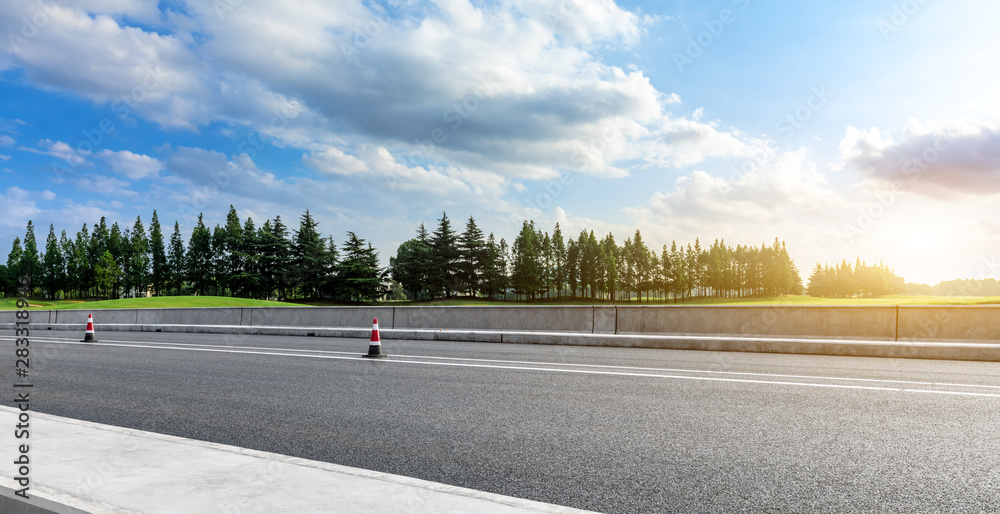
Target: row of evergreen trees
[240,259]
[962,287]
[843,280]
[237,259]
[540,265]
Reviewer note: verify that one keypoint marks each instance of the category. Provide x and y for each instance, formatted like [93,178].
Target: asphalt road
[606,429]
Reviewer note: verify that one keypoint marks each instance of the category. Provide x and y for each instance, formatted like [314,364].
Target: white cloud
[131,165]
[16,205]
[6,140]
[142,10]
[787,188]
[512,89]
[4,157]
[59,150]
[952,160]
[104,185]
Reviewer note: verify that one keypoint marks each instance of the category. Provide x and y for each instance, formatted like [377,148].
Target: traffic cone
[375,346]
[90,337]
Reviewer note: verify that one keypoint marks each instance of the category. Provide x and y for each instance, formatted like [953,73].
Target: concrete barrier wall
[869,322]
[107,316]
[360,317]
[915,323]
[191,316]
[949,322]
[573,318]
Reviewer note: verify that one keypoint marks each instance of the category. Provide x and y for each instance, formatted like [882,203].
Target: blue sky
[846,129]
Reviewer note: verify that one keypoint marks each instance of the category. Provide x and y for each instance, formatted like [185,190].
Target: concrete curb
[941,350]
[132,474]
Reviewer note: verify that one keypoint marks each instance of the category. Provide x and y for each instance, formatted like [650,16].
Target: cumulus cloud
[103,184]
[60,150]
[512,88]
[943,161]
[131,165]
[788,187]
[16,205]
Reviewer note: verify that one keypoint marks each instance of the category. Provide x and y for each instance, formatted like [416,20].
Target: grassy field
[221,301]
[147,303]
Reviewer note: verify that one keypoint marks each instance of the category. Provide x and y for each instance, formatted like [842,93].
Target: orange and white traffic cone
[90,337]
[375,346]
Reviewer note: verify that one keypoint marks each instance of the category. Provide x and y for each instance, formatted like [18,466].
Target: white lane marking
[555,370]
[602,366]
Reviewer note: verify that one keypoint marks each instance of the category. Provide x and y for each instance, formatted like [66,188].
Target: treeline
[966,287]
[238,258]
[235,259]
[844,280]
[542,265]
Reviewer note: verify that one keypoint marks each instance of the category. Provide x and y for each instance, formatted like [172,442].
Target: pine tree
[53,265]
[199,260]
[472,257]
[609,259]
[99,236]
[360,277]
[176,262]
[591,254]
[66,246]
[231,259]
[158,256]
[107,274]
[640,256]
[545,261]
[276,258]
[444,254]
[249,278]
[119,249]
[585,264]
[138,267]
[572,266]
[31,265]
[494,278]
[559,260]
[83,269]
[526,274]
[411,265]
[14,268]
[312,261]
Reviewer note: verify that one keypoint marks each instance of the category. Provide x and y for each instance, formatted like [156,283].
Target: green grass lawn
[158,302]
[221,301]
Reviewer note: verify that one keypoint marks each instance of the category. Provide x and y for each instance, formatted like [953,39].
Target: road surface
[605,429]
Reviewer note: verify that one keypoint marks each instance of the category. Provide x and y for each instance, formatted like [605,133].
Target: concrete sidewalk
[77,466]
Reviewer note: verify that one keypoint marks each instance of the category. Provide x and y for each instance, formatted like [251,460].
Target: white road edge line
[602,366]
[556,370]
